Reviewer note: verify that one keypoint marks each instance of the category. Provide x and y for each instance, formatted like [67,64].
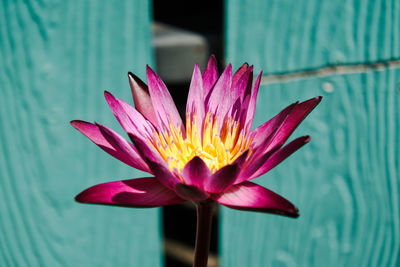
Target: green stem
[203,233]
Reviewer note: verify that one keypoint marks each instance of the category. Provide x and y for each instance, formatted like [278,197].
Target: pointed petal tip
[317,99]
[132,77]
[74,123]
[196,159]
[292,213]
[149,69]
[136,80]
[108,95]
[77,123]
[307,138]
[81,197]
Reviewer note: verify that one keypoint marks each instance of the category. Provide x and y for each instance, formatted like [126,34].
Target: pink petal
[238,96]
[242,84]
[129,118]
[93,132]
[241,160]
[122,145]
[252,104]
[138,193]
[210,75]
[190,192]
[219,99]
[146,150]
[156,164]
[291,122]
[163,104]
[239,73]
[226,176]
[141,98]
[252,197]
[281,155]
[195,172]
[261,133]
[253,164]
[195,102]
[222,179]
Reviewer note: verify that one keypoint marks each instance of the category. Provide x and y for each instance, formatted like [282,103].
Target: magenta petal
[280,155]
[196,172]
[240,93]
[122,145]
[253,164]
[239,73]
[141,98]
[129,118]
[252,104]
[252,197]
[219,99]
[210,75]
[93,132]
[138,193]
[163,104]
[195,101]
[164,175]
[291,122]
[222,179]
[241,159]
[242,84]
[190,192]
[146,151]
[156,164]
[261,133]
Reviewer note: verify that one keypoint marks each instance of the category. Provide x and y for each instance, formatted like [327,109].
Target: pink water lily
[208,159]
[211,157]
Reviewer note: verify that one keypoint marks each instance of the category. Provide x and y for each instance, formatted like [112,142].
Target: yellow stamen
[217,148]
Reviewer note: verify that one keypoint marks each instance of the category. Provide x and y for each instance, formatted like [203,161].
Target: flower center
[216,147]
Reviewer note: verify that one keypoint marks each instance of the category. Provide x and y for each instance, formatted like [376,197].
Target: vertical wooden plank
[281,36]
[346,181]
[57,58]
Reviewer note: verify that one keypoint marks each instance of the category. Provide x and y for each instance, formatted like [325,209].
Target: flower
[211,157]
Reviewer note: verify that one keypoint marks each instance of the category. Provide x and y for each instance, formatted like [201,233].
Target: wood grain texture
[56,59]
[345,182]
[280,36]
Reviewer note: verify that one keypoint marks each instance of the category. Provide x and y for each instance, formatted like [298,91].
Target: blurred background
[57,58]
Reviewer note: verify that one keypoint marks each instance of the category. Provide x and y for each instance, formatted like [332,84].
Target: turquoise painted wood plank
[281,36]
[57,58]
[345,182]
